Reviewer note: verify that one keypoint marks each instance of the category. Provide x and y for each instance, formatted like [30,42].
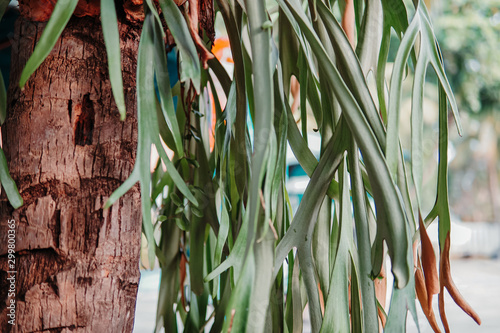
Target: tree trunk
[77,265]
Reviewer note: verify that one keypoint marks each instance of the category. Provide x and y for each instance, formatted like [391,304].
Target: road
[477,279]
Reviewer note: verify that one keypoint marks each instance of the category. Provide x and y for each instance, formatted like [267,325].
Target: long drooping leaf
[191,69]
[242,74]
[169,281]
[354,78]
[237,309]
[60,16]
[164,91]
[370,38]
[443,210]
[363,241]
[428,53]
[357,321]
[145,103]
[391,150]
[112,40]
[148,134]
[336,317]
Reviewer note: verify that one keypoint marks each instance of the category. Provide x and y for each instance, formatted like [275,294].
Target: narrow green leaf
[417,123]
[395,95]
[380,77]
[314,100]
[148,134]
[354,76]
[169,282]
[174,174]
[263,101]
[190,63]
[321,245]
[220,308]
[296,301]
[165,93]
[370,36]
[336,317]
[442,203]
[247,62]
[222,236]
[8,183]
[196,250]
[124,187]
[152,9]
[221,74]
[363,241]
[303,93]
[60,16]
[289,52]
[145,111]
[403,184]
[238,308]
[112,40]
[356,301]
[436,61]
[263,252]
[165,132]
[239,149]
[158,187]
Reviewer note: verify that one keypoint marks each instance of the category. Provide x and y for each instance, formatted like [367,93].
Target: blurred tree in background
[469,32]
[469,35]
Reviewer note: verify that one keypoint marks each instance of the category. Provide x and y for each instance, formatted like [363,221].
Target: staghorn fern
[223,213]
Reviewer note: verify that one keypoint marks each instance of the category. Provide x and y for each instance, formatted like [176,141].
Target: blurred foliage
[469,34]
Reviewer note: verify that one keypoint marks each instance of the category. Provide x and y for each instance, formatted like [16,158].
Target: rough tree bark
[77,264]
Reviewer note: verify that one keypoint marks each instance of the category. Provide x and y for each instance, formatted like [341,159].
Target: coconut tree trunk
[76,265]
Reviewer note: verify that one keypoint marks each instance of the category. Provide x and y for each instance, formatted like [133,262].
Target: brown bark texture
[77,265]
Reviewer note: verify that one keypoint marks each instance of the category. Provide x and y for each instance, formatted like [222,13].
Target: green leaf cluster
[219,219]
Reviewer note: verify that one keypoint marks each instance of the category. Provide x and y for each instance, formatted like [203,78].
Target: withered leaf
[428,263]
[447,281]
[421,292]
